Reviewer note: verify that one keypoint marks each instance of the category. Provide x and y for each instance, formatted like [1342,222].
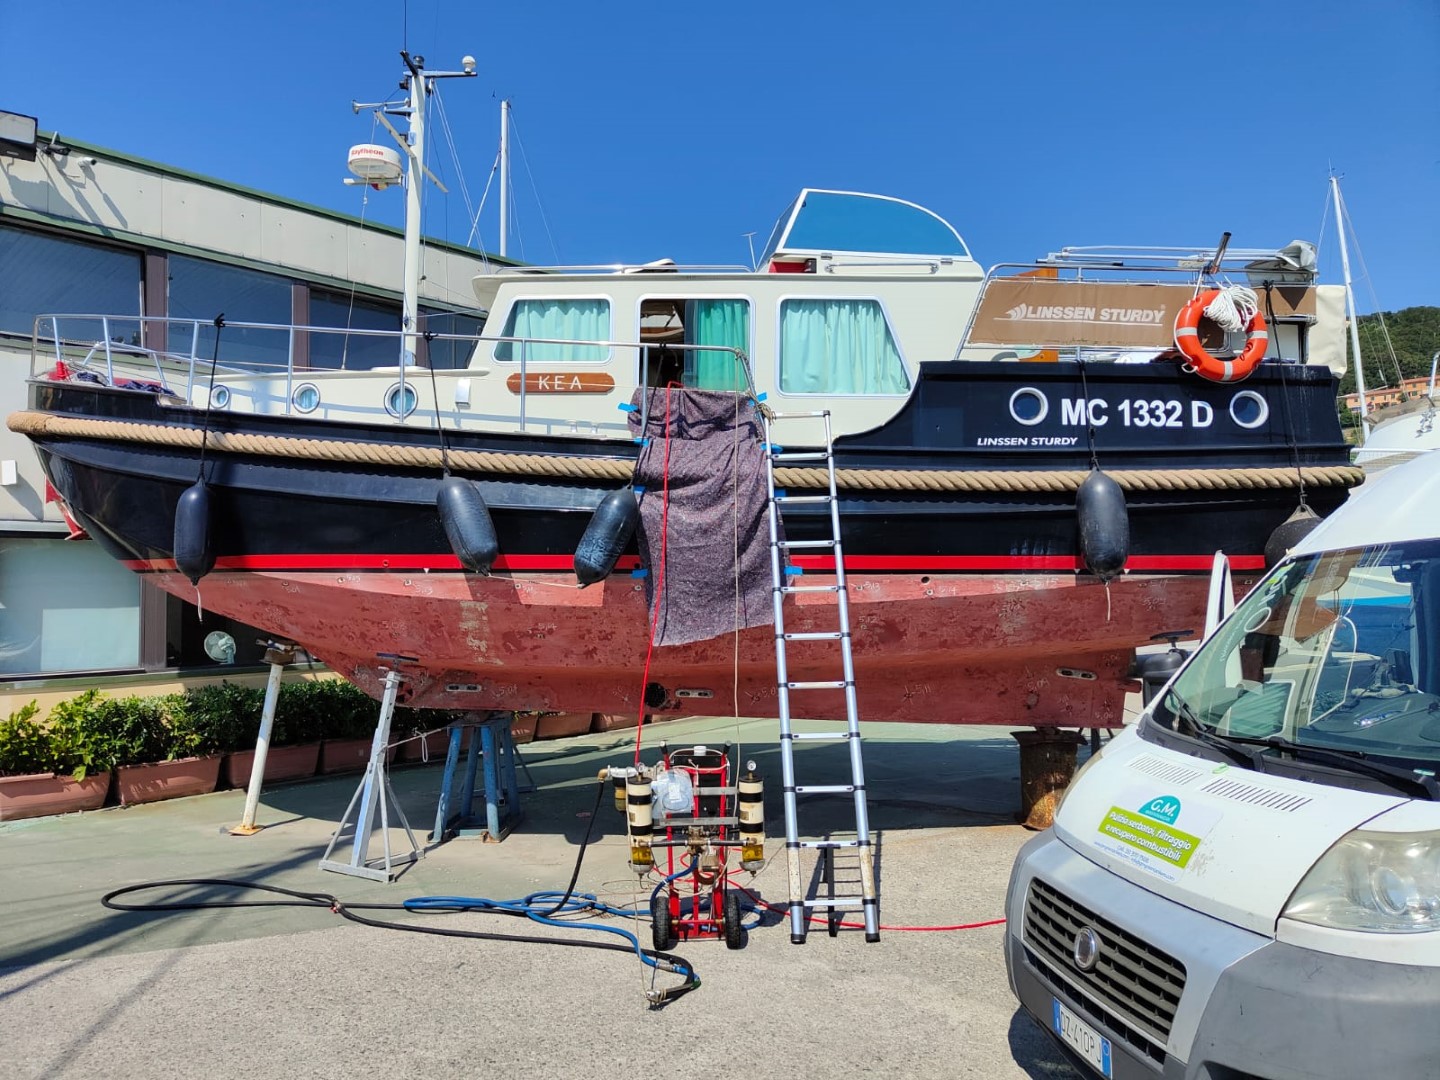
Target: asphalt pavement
[300,991]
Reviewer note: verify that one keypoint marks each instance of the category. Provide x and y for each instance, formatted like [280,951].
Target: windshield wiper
[1193,728]
[1397,776]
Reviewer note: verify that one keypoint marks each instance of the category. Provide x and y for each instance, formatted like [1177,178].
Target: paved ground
[285,992]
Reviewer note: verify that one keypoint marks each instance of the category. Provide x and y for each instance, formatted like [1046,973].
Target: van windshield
[1335,651]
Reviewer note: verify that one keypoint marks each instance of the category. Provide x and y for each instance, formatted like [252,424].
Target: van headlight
[1379,882]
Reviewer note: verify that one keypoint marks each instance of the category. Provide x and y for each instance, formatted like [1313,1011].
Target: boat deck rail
[116,347]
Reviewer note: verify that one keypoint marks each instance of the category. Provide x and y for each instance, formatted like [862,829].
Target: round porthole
[306,398]
[1029,406]
[400,401]
[1249,409]
[219,397]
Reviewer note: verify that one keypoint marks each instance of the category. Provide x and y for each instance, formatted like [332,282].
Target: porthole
[400,400]
[1249,409]
[219,397]
[306,398]
[1029,406]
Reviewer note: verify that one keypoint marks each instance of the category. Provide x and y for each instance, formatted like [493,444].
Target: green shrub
[323,709]
[105,732]
[218,718]
[25,746]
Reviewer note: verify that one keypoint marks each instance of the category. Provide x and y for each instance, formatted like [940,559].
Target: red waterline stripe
[853,563]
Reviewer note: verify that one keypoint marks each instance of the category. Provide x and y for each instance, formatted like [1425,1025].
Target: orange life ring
[1187,340]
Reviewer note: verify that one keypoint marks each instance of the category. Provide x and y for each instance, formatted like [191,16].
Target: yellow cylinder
[640,822]
[750,794]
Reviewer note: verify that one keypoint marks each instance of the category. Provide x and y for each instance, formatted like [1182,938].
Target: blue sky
[671,130]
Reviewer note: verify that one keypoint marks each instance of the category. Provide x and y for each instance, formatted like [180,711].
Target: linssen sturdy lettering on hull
[961,439]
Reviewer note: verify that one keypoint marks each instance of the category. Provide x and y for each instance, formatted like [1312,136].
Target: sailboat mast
[414,178]
[504,177]
[1350,309]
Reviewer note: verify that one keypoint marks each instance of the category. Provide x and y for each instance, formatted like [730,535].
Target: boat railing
[127,350]
[663,266]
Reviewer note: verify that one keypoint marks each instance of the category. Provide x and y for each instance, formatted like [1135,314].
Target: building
[1419,386]
[85,229]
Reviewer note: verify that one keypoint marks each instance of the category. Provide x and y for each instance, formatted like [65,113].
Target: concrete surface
[287,991]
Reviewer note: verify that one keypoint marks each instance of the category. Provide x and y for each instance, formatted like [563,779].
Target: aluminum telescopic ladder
[858,842]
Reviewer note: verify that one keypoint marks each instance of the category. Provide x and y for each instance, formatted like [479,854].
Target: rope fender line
[34,424]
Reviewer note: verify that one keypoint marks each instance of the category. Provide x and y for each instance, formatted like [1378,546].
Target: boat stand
[495,749]
[375,793]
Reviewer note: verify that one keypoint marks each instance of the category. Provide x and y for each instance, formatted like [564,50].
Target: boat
[1394,432]
[968,407]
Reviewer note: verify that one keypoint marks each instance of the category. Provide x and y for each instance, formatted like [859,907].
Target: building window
[351,351]
[838,347]
[556,331]
[201,290]
[451,352]
[47,275]
[64,607]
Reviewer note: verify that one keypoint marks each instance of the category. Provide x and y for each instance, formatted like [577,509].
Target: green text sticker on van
[1147,832]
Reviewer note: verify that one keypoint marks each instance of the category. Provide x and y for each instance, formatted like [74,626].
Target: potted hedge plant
[155,754]
[347,717]
[43,772]
[226,718]
[426,733]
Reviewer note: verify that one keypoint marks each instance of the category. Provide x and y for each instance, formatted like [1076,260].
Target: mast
[504,176]
[410,288]
[1350,310]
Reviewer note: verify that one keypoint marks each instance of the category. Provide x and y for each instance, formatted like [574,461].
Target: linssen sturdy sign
[562,382]
[1063,314]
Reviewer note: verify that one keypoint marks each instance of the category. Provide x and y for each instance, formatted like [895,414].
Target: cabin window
[718,327]
[556,331]
[67,607]
[349,351]
[201,290]
[838,347]
[47,275]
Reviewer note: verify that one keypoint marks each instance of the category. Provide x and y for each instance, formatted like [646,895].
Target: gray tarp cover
[717,497]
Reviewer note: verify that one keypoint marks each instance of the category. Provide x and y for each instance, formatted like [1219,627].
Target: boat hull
[968,605]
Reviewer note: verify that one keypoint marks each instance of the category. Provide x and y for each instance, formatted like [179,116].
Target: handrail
[195,366]
[619,268]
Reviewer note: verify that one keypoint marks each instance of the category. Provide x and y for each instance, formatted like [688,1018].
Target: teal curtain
[574,322]
[838,347]
[724,323]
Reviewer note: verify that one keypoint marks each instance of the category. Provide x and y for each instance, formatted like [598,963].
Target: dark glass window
[47,275]
[451,353]
[201,290]
[353,352]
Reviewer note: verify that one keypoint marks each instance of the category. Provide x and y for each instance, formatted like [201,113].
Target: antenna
[750,239]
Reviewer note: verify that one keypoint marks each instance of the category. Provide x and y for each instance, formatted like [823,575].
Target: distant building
[1389,395]
[84,229]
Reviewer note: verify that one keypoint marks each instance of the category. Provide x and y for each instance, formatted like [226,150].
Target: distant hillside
[1415,336]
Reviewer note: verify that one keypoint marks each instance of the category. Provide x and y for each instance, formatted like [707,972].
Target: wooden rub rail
[37,424]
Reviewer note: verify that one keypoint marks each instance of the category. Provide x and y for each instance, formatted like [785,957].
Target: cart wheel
[734,935]
[660,922]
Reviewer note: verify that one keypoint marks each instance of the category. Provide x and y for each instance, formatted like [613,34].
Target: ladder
[858,842]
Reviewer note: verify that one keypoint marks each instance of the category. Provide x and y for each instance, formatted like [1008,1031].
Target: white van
[1246,882]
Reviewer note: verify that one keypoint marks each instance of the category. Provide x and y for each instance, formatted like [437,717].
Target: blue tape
[625,406]
[639,489]
[642,572]
[794,571]
[761,397]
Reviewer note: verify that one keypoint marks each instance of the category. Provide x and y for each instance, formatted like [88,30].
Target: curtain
[838,347]
[572,321]
[723,323]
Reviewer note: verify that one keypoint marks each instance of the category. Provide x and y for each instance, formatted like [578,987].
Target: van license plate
[1081,1037]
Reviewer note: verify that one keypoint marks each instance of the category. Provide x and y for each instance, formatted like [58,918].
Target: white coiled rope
[1233,307]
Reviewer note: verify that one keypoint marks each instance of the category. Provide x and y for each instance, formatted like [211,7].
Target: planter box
[43,794]
[347,755]
[615,721]
[167,779]
[563,725]
[281,763]
[433,747]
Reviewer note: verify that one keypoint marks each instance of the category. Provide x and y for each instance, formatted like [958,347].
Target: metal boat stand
[375,793]
[495,749]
